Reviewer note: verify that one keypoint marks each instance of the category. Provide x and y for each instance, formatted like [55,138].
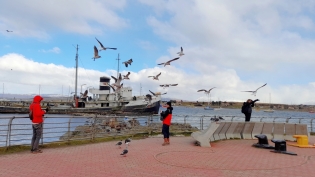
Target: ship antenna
[76,71]
[118,67]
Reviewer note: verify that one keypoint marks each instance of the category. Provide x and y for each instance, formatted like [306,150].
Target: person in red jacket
[37,123]
[167,118]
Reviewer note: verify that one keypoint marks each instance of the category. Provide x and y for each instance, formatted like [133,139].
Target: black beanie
[169,103]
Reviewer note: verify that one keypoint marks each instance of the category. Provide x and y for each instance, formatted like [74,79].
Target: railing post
[261,119]
[202,122]
[300,120]
[185,119]
[69,123]
[42,135]
[8,141]
[287,120]
[93,128]
[232,118]
[312,125]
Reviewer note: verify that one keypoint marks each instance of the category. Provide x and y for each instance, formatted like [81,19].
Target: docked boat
[208,108]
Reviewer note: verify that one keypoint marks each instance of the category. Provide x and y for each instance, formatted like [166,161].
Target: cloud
[25,76]
[37,19]
[53,50]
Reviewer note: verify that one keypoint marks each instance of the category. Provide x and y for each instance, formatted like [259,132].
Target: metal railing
[17,130]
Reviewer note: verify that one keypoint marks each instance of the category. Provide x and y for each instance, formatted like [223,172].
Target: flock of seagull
[125,151]
[118,85]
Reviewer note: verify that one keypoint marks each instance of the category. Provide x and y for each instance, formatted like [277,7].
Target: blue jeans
[37,134]
[166,131]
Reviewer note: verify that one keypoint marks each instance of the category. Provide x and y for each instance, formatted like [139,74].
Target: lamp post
[81,87]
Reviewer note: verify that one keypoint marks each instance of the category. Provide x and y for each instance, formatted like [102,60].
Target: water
[58,124]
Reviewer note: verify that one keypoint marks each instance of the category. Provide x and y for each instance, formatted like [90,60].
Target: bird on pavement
[156,77]
[125,151]
[255,91]
[119,143]
[96,56]
[168,62]
[128,62]
[104,48]
[181,53]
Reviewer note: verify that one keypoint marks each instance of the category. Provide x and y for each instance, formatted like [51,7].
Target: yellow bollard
[302,141]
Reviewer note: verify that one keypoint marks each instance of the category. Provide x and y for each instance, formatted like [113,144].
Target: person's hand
[257,100]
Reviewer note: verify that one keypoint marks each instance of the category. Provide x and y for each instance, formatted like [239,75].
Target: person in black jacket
[247,108]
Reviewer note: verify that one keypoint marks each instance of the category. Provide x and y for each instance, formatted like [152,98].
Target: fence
[17,130]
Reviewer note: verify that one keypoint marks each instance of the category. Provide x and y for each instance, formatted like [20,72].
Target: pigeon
[9,31]
[128,62]
[119,143]
[96,56]
[125,151]
[255,91]
[168,62]
[104,48]
[181,53]
[126,76]
[128,140]
[206,91]
[156,94]
[156,77]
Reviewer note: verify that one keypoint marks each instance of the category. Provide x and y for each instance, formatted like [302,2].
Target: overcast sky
[231,45]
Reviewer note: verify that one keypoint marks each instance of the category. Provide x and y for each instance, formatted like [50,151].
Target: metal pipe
[69,123]
[8,140]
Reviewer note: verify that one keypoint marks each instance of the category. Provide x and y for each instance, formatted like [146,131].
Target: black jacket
[168,111]
[249,106]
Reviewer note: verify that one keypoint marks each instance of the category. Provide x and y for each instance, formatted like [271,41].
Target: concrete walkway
[146,157]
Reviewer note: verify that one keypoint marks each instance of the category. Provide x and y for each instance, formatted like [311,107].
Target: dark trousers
[247,117]
[37,134]
[166,131]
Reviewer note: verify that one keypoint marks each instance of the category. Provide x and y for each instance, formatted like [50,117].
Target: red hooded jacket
[37,110]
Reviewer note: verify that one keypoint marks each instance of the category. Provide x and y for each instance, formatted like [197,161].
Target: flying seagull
[156,94]
[117,81]
[156,77]
[125,151]
[119,143]
[104,48]
[255,91]
[168,85]
[126,76]
[117,88]
[128,62]
[206,91]
[168,62]
[96,56]
[181,53]
[9,31]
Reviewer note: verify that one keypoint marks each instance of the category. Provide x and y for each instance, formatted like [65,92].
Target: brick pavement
[146,157]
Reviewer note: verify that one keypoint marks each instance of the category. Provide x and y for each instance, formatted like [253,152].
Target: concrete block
[267,130]
[289,131]
[216,133]
[257,129]
[278,131]
[224,129]
[230,131]
[247,131]
[237,134]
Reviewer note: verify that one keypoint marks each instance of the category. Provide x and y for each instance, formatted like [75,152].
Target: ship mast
[76,71]
[118,67]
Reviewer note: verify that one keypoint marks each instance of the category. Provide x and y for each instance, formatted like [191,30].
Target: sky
[234,46]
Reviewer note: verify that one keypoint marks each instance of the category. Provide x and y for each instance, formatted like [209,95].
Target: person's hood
[37,99]
[171,108]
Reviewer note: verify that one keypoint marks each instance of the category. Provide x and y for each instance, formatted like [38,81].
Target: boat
[103,101]
[269,110]
[208,108]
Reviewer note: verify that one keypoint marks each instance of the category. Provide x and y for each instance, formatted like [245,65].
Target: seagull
[181,53]
[126,76]
[117,81]
[127,141]
[125,151]
[118,88]
[156,94]
[104,48]
[168,85]
[96,56]
[206,91]
[119,143]
[9,31]
[156,77]
[168,62]
[255,91]
[128,62]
